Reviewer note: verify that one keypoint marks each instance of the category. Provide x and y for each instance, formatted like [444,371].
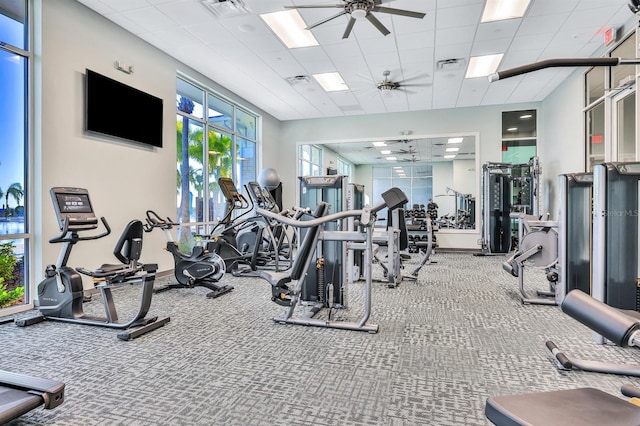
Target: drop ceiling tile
[500,91]
[491,47]
[454,17]
[551,7]
[149,19]
[455,35]
[187,12]
[453,51]
[404,25]
[538,41]
[532,25]
[419,40]
[498,30]
[589,17]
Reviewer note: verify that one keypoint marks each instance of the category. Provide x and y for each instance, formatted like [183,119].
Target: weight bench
[584,405]
[20,394]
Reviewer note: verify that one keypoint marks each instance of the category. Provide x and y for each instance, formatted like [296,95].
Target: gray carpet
[447,342]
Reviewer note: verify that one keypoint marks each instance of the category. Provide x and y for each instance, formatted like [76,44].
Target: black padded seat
[583,406]
[20,394]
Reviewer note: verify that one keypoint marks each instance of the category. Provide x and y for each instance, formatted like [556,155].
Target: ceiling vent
[224,8]
[298,79]
[450,64]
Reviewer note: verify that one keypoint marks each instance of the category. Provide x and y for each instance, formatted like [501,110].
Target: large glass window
[519,134]
[595,135]
[610,109]
[309,160]
[14,87]
[228,150]
[416,180]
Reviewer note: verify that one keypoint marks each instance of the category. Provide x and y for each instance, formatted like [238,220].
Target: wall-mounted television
[120,111]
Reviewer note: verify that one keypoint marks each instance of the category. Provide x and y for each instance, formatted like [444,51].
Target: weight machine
[306,262]
[507,188]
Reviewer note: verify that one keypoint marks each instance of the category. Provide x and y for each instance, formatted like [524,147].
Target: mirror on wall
[432,170]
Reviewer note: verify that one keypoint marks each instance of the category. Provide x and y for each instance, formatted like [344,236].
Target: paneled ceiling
[240,52]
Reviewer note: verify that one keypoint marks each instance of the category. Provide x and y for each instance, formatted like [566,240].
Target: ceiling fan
[386,86]
[358,9]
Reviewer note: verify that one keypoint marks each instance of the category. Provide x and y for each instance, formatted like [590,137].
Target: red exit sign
[610,36]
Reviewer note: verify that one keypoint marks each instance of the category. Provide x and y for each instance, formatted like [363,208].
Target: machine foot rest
[24,322]
[219,292]
[139,331]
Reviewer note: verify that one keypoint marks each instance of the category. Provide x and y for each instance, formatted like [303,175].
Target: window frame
[208,221]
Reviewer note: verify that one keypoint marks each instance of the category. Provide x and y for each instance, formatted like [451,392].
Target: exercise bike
[198,268]
[61,293]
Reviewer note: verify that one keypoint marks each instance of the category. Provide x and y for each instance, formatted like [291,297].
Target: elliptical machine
[61,293]
[198,268]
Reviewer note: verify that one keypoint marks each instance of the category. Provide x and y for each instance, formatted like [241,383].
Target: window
[344,168]
[14,120]
[519,134]
[309,160]
[416,180]
[228,150]
[610,113]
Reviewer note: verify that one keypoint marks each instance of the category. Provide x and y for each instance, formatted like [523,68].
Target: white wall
[124,180]
[561,146]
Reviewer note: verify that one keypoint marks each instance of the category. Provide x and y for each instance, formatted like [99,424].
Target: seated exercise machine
[583,405]
[61,293]
[200,268]
[621,327]
[20,393]
[396,240]
[537,247]
[287,286]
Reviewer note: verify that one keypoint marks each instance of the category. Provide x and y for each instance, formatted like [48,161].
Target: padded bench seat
[583,406]
[20,394]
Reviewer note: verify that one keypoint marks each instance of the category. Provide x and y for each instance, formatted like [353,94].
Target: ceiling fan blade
[326,20]
[377,24]
[326,6]
[401,12]
[350,25]
[415,77]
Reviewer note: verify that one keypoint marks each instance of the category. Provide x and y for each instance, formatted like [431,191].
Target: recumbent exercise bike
[61,293]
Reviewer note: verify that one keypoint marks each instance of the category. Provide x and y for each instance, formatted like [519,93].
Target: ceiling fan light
[359,13]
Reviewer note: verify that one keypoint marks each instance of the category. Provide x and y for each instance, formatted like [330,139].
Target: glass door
[624,126]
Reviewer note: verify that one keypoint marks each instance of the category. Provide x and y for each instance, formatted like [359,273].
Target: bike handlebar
[79,226]
[155,221]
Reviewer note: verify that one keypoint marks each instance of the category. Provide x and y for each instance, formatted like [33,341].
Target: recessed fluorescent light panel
[455,140]
[482,66]
[290,28]
[331,81]
[498,10]
[379,143]
[391,158]
[454,149]
[449,156]
[385,152]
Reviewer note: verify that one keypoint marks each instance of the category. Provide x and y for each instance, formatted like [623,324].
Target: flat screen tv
[121,111]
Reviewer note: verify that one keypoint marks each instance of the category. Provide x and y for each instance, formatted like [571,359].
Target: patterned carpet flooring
[447,341]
